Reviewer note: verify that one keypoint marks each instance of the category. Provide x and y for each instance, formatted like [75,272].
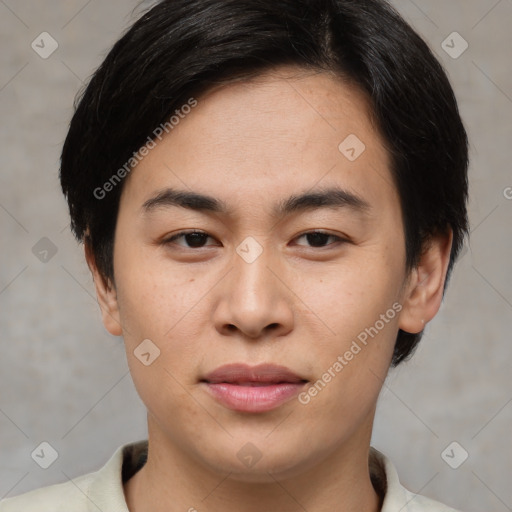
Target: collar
[106,486]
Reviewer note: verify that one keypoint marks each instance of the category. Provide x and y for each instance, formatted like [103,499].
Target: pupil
[195,239]
[317,239]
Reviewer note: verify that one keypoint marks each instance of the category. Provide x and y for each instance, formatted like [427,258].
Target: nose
[255,301]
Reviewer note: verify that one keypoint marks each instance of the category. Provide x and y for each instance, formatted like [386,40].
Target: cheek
[168,306]
[154,301]
[169,312]
[354,331]
[350,358]
[349,297]
[168,398]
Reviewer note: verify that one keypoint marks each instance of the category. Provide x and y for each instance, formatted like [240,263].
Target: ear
[424,290]
[106,295]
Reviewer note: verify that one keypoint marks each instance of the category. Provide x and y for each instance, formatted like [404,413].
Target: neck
[171,480]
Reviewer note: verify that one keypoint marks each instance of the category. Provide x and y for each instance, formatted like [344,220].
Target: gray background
[65,380]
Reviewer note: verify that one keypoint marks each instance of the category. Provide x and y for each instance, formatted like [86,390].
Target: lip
[260,388]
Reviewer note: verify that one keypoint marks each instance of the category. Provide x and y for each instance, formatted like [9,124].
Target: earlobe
[424,291]
[106,295]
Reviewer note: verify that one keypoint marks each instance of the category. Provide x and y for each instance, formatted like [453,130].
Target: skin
[252,144]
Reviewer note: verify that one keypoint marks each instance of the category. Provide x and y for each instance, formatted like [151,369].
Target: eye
[320,239]
[198,239]
[190,239]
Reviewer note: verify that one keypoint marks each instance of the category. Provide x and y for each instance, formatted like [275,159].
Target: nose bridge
[254,284]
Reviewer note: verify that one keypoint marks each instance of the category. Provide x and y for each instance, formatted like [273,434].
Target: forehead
[254,141]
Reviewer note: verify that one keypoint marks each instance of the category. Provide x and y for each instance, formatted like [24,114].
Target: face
[260,231]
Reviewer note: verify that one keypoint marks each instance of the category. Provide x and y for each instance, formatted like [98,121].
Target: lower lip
[254,398]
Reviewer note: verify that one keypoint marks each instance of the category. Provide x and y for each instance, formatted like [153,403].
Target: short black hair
[182,48]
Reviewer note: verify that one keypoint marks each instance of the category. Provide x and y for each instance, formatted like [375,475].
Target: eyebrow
[332,197]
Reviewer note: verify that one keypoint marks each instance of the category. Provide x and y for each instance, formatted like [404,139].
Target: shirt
[103,489]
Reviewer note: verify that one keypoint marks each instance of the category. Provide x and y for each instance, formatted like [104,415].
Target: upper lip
[239,372]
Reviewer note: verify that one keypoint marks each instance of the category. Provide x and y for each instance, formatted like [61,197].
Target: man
[271,195]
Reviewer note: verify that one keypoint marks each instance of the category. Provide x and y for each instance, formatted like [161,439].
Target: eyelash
[182,234]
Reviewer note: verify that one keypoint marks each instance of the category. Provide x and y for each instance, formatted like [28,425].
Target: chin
[266,466]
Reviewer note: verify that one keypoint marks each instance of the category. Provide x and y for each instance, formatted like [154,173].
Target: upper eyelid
[320,231]
[181,234]
[340,238]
